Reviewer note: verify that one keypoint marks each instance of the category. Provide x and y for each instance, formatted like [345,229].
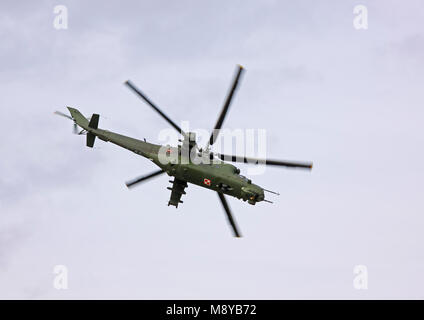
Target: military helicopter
[182,162]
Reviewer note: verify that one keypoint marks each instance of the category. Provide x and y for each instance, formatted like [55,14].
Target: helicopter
[187,163]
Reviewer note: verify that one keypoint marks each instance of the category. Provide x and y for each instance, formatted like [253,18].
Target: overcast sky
[349,100]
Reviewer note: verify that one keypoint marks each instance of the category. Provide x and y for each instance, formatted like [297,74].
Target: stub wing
[177,189]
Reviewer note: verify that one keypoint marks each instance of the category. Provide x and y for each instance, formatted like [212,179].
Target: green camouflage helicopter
[187,163]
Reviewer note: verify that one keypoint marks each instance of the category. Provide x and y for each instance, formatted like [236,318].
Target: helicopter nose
[260,197]
[254,194]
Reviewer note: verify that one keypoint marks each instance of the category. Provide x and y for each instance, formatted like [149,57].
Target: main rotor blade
[229,215]
[150,103]
[292,164]
[131,183]
[226,106]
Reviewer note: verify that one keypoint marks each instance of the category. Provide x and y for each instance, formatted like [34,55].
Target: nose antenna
[267,201]
[271,191]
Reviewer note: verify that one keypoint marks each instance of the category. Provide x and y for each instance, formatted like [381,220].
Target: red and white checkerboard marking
[207,182]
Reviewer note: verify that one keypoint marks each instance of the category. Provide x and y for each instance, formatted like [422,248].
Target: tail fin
[90,139]
[78,117]
[85,124]
[94,124]
[94,121]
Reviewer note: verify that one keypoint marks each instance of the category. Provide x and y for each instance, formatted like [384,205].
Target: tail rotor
[75,127]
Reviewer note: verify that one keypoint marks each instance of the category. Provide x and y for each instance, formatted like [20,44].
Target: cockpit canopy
[244,178]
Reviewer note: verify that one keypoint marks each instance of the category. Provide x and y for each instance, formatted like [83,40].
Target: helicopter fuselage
[214,175]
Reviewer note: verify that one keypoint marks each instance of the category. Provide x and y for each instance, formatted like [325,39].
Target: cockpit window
[244,178]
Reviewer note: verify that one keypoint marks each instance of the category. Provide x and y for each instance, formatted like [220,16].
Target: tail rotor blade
[229,215]
[63,115]
[75,126]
